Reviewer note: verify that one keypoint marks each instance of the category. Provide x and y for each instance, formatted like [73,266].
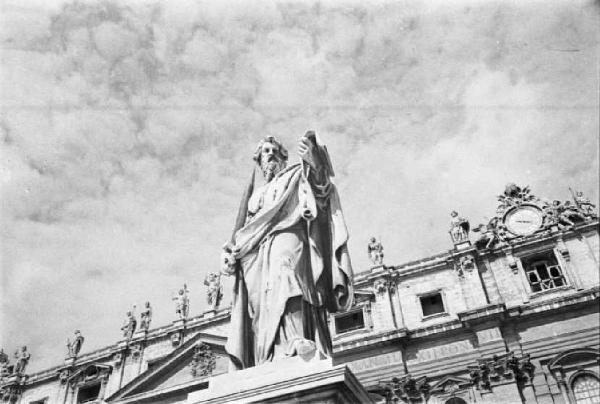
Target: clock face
[524,220]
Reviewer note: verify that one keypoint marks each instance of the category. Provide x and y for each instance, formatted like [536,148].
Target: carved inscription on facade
[488,335]
[443,351]
[377,361]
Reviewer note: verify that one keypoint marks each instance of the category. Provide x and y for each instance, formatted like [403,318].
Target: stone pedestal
[179,323]
[140,334]
[462,245]
[70,361]
[290,380]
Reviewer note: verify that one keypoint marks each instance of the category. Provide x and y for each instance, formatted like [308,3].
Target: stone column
[489,282]
[471,285]
[395,301]
[562,385]
[564,260]
[383,304]
[519,274]
[543,393]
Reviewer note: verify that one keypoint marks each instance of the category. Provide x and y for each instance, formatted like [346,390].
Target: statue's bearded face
[271,161]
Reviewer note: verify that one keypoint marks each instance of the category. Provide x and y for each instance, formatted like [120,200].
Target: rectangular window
[88,393]
[432,304]
[543,272]
[349,322]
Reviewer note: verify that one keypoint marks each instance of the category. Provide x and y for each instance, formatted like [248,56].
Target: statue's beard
[270,168]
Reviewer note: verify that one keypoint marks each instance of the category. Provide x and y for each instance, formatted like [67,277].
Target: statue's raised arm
[315,155]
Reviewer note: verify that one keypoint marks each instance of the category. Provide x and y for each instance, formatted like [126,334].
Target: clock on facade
[524,220]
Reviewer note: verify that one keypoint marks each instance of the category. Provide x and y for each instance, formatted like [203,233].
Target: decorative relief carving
[584,205]
[175,338]
[487,372]
[117,359]
[511,261]
[64,375]
[203,361]
[136,351]
[465,264]
[380,286]
[451,386]
[10,393]
[521,213]
[407,388]
[383,285]
[90,373]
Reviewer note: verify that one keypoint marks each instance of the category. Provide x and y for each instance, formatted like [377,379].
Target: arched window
[586,389]
[456,400]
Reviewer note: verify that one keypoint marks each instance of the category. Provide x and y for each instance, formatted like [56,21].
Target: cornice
[441,260]
[194,324]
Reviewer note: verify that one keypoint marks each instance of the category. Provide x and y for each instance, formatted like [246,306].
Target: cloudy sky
[127,130]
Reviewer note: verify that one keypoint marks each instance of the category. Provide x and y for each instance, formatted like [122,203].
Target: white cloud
[128,130]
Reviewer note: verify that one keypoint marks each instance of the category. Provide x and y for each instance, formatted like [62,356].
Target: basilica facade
[508,314]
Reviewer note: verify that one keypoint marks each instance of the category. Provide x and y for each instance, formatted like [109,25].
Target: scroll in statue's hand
[308,151]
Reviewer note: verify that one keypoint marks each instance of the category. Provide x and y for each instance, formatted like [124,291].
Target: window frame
[551,256]
[349,313]
[573,378]
[430,293]
[89,385]
[365,308]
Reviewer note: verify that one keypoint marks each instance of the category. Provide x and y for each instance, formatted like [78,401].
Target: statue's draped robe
[292,250]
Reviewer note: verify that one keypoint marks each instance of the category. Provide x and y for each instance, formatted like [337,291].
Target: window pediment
[90,373]
[572,357]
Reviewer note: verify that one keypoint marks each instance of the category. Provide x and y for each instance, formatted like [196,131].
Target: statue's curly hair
[283,153]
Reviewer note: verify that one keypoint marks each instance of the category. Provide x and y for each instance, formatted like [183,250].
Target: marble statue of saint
[289,257]
[146,317]
[182,303]
[459,228]
[74,347]
[214,290]
[375,250]
[584,205]
[129,326]
[22,360]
